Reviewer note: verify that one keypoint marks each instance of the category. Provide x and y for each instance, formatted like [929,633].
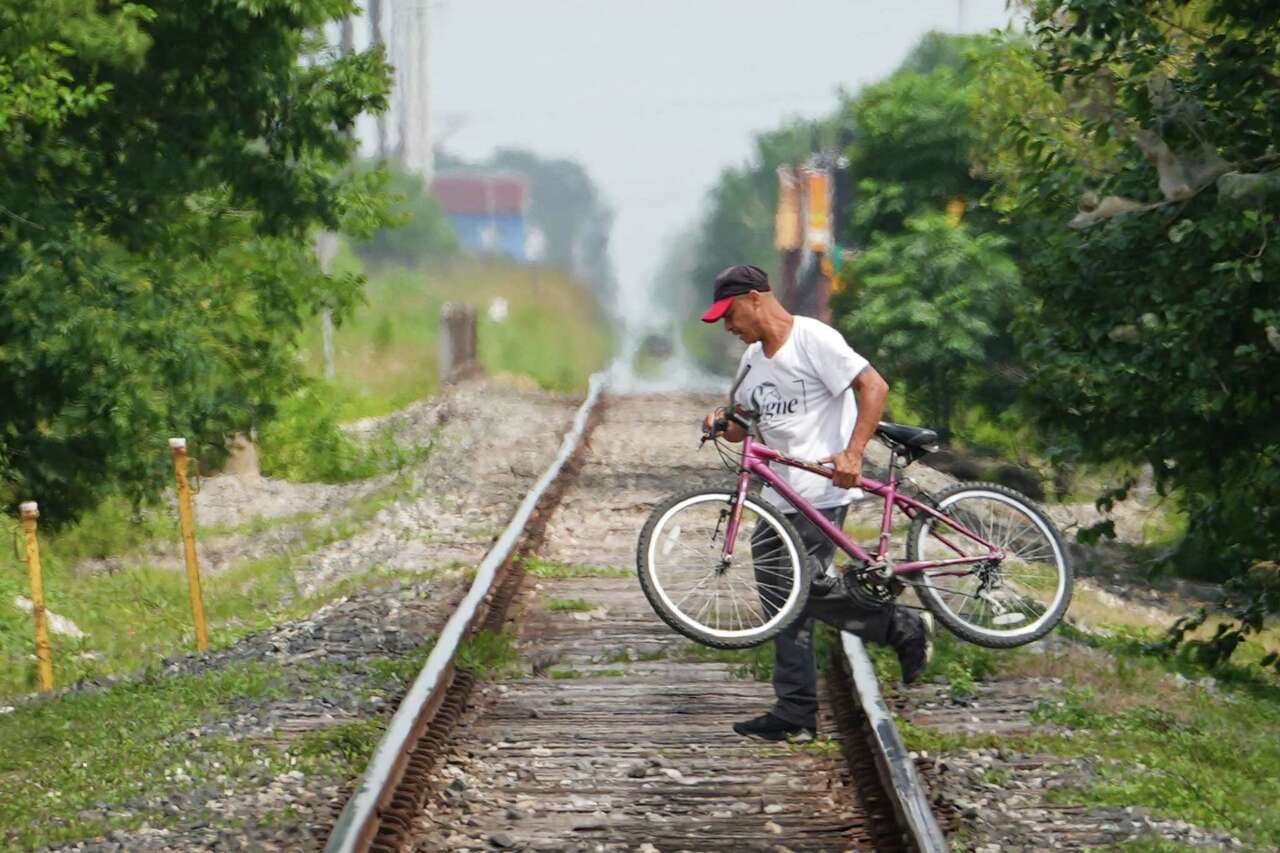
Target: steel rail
[897,771]
[357,824]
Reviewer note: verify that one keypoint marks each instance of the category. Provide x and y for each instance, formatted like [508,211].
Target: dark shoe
[821,584]
[771,728]
[911,637]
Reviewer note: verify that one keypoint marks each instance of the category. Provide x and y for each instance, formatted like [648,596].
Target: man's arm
[870,390]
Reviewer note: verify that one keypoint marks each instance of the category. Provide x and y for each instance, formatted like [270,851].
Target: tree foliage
[1152,322]
[739,221]
[934,300]
[931,291]
[418,230]
[737,227]
[908,148]
[162,165]
[912,149]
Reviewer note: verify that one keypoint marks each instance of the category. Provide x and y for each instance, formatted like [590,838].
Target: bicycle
[1005,585]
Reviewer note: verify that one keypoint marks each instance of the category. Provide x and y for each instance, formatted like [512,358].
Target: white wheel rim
[1045,530]
[783,611]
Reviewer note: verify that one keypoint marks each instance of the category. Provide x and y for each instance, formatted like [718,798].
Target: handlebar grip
[717,426]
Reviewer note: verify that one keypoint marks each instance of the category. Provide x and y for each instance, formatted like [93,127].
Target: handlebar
[731,414]
[744,419]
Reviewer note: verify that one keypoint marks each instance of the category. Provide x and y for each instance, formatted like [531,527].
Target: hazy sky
[655,97]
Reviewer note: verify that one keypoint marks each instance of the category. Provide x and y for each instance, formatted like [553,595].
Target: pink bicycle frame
[755,460]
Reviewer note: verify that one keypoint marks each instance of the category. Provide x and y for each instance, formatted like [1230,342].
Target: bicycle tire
[680,622]
[965,629]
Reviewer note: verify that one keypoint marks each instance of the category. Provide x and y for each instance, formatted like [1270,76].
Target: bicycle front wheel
[728,605]
[995,604]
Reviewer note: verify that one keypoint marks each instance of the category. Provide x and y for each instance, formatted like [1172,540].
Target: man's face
[743,318]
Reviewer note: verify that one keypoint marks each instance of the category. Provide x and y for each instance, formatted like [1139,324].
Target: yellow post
[31,512]
[818,201]
[179,448]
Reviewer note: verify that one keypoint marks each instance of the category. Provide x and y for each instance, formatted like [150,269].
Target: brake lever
[717,428]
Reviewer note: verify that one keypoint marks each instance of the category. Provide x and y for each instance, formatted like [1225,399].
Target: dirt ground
[490,441]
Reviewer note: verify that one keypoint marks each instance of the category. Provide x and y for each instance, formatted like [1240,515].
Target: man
[818,399]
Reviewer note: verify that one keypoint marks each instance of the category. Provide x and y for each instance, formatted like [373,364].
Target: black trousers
[795,674]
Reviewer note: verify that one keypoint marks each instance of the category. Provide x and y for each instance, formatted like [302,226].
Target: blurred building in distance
[488,210]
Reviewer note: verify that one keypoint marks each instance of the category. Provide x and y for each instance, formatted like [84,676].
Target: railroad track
[616,734]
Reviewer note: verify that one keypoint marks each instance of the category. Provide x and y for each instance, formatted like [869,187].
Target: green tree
[418,232]
[907,142]
[930,296]
[1152,321]
[931,302]
[162,166]
[914,136]
[908,145]
[738,225]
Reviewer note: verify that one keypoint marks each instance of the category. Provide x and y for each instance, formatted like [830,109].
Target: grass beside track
[87,763]
[540,568]
[84,763]
[1182,741]
[137,616]
[573,605]
[387,351]
[553,333]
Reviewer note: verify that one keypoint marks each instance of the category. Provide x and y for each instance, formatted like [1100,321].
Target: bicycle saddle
[916,438]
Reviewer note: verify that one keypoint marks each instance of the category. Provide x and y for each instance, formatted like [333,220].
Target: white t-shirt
[807,407]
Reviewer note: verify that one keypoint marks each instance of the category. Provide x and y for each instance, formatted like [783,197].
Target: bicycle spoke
[741,606]
[774,599]
[702,611]
[1009,596]
[1027,530]
[695,586]
[733,599]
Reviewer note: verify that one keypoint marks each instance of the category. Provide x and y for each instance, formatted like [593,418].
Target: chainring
[869,590]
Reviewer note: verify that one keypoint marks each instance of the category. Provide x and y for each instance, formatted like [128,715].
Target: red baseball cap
[733,282]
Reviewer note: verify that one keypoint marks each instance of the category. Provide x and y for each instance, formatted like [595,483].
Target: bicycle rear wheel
[997,604]
[751,599]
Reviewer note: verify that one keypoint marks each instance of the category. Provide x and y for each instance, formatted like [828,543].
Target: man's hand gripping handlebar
[719,420]
[714,424]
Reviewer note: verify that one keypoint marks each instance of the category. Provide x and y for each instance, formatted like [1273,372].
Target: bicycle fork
[735,521]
